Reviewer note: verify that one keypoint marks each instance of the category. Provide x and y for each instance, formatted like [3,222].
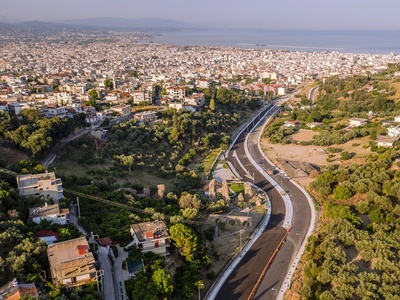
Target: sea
[346,41]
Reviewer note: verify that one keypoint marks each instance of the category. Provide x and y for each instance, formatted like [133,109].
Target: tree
[126,160]
[93,95]
[163,281]
[108,84]
[342,192]
[212,104]
[185,240]
[189,213]
[189,201]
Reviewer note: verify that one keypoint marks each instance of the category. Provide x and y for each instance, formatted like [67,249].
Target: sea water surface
[349,41]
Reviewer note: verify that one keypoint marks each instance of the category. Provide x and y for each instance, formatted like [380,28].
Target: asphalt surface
[48,160]
[244,278]
[108,283]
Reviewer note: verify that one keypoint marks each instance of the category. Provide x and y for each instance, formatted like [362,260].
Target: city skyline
[285,14]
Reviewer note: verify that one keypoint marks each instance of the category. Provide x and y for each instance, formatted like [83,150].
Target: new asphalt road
[245,282]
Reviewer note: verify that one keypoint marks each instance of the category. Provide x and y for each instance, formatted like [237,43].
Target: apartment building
[176,92]
[71,263]
[142,95]
[40,185]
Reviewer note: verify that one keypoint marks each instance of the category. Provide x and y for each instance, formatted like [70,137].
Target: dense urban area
[109,145]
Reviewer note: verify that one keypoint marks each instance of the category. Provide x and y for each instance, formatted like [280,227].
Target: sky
[266,14]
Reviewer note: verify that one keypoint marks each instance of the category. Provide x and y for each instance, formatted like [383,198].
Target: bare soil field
[292,157]
[12,156]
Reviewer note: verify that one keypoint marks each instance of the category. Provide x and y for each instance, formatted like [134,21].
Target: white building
[176,92]
[144,116]
[151,236]
[394,131]
[386,141]
[142,95]
[122,110]
[203,83]
[62,98]
[356,122]
[50,213]
[71,263]
[40,185]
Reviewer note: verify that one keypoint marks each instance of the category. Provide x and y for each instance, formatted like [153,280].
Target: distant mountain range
[97,24]
[129,23]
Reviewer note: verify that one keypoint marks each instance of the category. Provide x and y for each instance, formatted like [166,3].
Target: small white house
[357,122]
[394,131]
[50,213]
[151,236]
[386,141]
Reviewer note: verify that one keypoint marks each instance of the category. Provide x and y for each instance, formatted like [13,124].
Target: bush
[210,275]
[342,192]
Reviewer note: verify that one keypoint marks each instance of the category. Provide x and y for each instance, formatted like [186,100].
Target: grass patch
[260,209]
[237,187]
[206,165]
[136,109]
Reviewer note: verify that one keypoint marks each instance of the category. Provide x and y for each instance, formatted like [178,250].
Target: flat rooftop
[150,230]
[44,210]
[73,252]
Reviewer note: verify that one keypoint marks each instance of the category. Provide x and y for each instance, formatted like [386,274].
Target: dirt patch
[396,85]
[353,257]
[12,156]
[298,161]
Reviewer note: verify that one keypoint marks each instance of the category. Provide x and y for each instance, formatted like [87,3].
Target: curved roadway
[245,282]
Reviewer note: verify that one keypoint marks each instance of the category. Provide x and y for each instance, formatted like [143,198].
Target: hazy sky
[315,14]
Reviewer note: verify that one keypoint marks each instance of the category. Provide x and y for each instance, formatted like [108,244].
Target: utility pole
[79,208]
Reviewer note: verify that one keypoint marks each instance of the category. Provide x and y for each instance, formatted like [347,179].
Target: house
[48,236]
[165,100]
[314,124]
[394,131]
[122,110]
[203,83]
[40,185]
[177,105]
[14,291]
[195,100]
[50,213]
[149,116]
[386,141]
[151,237]
[71,263]
[281,91]
[291,123]
[15,107]
[356,122]
[56,111]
